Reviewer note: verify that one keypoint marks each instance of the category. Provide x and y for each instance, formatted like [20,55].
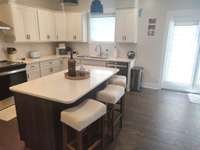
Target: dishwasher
[122,66]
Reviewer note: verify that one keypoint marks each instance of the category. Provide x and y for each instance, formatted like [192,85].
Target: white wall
[151,50]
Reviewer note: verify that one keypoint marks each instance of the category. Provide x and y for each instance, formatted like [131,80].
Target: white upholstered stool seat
[83,115]
[118,80]
[111,94]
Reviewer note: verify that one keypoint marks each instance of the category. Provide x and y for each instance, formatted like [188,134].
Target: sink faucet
[100,50]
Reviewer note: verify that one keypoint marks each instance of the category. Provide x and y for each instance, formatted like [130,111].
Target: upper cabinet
[127,25]
[47,25]
[43,25]
[61,28]
[23,20]
[30,24]
[76,27]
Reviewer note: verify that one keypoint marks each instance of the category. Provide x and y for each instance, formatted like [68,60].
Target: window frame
[101,16]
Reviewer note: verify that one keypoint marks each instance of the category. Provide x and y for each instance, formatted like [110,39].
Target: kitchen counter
[52,57]
[58,89]
[41,59]
[126,60]
[40,102]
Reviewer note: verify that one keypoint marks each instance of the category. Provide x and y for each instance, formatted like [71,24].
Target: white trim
[192,14]
[155,86]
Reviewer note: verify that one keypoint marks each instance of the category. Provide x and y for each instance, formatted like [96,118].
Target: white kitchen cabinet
[47,25]
[18,24]
[63,63]
[31,24]
[24,21]
[93,63]
[61,26]
[33,71]
[52,66]
[76,27]
[127,25]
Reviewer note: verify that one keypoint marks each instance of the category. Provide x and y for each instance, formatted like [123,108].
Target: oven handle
[12,72]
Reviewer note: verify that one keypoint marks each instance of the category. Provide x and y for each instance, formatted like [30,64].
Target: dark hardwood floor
[154,120]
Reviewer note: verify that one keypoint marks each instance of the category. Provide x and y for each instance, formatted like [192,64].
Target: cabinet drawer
[93,63]
[46,71]
[49,64]
[33,67]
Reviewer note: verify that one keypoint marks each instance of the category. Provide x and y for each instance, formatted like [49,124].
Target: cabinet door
[46,71]
[47,25]
[33,71]
[64,63]
[126,25]
[61,32]
[32,75]
[120,26]
[30,24]
[18,24]
[131,25]
[76,27]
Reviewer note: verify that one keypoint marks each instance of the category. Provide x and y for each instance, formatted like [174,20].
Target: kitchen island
[39,103]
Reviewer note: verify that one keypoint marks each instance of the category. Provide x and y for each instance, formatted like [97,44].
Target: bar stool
[118,80]
[80,118]
[112,96]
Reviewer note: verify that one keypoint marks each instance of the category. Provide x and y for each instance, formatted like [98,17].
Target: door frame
[187,14]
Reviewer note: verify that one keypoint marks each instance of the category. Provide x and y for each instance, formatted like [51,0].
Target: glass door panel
[182,54]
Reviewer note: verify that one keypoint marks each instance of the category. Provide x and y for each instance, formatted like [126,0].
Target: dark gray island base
[39,120]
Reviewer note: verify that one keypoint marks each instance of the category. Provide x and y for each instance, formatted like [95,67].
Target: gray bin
[136,78]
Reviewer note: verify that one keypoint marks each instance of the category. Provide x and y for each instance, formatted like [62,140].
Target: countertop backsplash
[89,48]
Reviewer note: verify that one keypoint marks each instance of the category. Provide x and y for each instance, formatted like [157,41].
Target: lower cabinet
[33,71]
[45,68]
[92,62]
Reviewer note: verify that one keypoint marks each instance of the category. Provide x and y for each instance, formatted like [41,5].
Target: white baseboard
[149,85]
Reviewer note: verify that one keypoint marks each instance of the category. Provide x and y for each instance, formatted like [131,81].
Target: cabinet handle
[125,38]
[32,67]
[51,70]
[57,37]
[28,36]
[28,76]
[74,37]
[48,37]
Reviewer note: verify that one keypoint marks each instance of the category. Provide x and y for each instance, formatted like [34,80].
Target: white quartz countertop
[52,57]
[126,60]
[44,58]
[58,89]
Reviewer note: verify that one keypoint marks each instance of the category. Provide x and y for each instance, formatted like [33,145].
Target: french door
[182,63]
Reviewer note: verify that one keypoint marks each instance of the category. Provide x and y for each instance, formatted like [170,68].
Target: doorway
[182,61]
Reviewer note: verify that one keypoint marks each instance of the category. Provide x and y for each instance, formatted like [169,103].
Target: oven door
[11,78]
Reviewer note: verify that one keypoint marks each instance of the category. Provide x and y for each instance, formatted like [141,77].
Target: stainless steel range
[11,73]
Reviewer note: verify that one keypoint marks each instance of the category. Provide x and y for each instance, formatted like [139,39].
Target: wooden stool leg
[79,140]
[112,123]
[122,111]
[65,137]
[102,132]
